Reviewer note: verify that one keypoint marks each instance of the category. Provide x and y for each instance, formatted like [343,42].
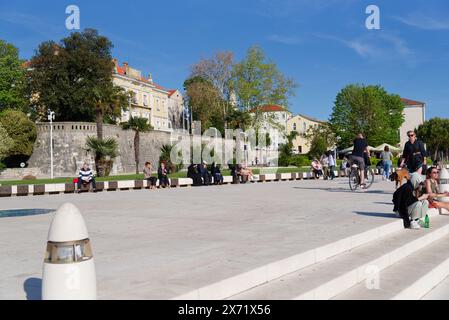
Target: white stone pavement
[161,244]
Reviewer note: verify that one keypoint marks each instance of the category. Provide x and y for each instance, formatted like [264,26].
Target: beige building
[414,116]
[163,108]
[301,124]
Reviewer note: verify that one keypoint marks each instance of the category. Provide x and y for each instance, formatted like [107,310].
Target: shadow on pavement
[23,212]
[377,214]
[33,288]
[347,190]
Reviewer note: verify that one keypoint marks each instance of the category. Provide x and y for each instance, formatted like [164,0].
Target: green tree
[435,133]
[238,119]
[6,143]
[105,150]
[12,78]
[138,125]
[369,110]
[257,81]
[205,102]
[321,139]
[286,149]
[23,134]
[74,79]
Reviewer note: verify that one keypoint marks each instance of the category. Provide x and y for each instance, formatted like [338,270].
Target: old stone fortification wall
[69,152]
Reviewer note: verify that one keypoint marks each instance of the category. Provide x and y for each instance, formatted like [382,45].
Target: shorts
[360,161]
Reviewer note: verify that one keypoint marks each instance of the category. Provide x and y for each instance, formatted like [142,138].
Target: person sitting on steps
[86,177]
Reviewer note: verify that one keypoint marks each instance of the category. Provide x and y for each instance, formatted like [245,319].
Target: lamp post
[51,117]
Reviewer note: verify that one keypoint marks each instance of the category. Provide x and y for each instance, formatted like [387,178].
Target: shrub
[23,134]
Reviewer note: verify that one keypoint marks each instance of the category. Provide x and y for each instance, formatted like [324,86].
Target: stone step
[255,277]
[440,292]
[411,278]
[335,275]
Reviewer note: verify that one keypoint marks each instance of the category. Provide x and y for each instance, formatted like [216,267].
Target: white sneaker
[414,225]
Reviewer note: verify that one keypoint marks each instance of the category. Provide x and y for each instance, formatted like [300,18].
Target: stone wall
[69,152]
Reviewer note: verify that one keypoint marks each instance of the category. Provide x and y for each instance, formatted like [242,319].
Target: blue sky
[323,44]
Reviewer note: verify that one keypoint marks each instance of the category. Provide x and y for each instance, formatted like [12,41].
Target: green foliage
[74,78]
[300,160]
[257,80]
[285,150]
[238,119]
[12,78]
[321,139]
[21,135]
[435,133]
[105,151]
[165,157]
[369,110]
[6,143]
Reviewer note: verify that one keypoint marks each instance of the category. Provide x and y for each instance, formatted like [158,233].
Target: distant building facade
[414,116]
[301,124]
[163,108]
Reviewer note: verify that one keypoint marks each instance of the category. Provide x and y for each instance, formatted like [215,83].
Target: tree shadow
[33,288]
[377,214]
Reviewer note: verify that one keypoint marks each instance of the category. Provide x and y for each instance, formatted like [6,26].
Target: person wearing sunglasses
[415,154]
[432,185]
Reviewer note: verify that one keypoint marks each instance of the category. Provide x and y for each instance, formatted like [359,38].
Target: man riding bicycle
[358,156]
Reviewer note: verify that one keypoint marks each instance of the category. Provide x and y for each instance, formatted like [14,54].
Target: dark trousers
[218,178]
[152,181]
[332,173]
[92,181]
[163,181]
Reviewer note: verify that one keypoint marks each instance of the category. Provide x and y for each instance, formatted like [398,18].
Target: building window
[145,103]
[300,149]
[294,126]
[304,127]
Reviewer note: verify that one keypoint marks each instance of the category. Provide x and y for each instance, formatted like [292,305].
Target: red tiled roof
[170,92]
[269,108]
[409,102]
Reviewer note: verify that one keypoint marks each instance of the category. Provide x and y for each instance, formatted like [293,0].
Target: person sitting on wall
[86,177]
[432,188]
[192,173]
[148,172]
[162,174]
[202,169]
[216,174]
[317,169]
[246,173]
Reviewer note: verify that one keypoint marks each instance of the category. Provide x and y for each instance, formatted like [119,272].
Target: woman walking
[387,159]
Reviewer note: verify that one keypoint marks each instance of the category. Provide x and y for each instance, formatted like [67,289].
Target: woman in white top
[331,161]
[387,158]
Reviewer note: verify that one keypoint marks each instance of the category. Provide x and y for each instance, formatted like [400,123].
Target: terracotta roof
[170,92]
[269,108]
[409,102]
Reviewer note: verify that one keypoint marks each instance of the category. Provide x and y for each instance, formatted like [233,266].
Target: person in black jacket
[216,174]
[414,155]
[162,174]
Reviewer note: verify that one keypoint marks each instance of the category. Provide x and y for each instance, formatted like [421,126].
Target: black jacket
[402,199]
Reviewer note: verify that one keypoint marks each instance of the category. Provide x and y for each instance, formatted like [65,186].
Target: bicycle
[354,177]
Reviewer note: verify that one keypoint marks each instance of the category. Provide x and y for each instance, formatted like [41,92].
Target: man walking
[414,155]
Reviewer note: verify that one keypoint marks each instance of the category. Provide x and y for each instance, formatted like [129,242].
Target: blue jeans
[387,166]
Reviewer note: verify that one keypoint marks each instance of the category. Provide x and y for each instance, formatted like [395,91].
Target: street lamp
[51,117]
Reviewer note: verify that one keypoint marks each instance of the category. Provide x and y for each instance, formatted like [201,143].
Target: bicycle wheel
[354,180]
[369,179]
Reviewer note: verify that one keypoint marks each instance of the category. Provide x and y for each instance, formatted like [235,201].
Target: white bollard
[69,269]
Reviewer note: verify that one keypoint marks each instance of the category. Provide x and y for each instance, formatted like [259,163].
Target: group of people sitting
[162,175]
[414,199]
[200,174]
[324,167]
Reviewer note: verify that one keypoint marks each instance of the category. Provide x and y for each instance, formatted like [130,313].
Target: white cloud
[284,39]
[425,22]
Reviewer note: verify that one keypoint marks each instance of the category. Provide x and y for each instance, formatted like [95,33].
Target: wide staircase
[388,262]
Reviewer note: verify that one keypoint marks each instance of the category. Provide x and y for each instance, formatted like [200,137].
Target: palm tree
[105,151]
[138,125]
[108,100]
[238,119]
